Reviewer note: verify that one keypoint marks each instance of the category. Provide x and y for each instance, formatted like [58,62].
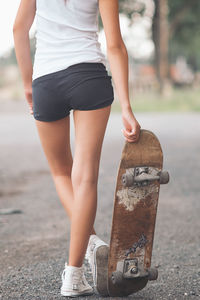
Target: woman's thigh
[90,126]
[55,140]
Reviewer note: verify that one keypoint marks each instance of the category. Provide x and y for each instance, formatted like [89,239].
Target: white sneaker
[74,282]
[97,257]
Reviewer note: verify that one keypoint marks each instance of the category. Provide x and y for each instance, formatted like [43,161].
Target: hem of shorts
[54,119]
[99,106]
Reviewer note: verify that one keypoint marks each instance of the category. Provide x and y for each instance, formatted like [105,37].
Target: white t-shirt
[66,34]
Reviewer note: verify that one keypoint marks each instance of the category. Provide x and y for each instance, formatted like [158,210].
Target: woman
[69,73]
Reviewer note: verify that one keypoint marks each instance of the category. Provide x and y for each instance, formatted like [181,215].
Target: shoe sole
[69,294]
[100,273]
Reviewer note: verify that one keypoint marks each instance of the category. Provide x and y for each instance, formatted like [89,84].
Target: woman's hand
[132,127]
[28,95]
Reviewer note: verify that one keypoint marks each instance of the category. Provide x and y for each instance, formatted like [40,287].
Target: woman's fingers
[131,136]
[132,127]
[131,133]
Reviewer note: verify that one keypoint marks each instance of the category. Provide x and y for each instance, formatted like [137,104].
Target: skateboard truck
[131,268]
[143,176]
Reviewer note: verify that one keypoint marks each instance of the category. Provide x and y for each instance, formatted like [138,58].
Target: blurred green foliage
[184,22]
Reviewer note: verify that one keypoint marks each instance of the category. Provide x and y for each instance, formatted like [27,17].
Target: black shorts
[82,86]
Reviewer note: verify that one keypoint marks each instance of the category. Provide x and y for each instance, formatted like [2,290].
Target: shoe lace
[90,251]
[91,248]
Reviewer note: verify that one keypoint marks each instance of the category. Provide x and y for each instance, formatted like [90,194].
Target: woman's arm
[22,24]
[118,60]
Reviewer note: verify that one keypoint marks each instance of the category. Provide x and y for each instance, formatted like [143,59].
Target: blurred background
[162,38]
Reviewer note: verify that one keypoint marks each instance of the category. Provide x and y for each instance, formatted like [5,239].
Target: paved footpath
[34,243]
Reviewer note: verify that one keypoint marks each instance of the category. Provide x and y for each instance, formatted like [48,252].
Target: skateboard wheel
[127,179]
[153,274]
[116,277]
[164,177]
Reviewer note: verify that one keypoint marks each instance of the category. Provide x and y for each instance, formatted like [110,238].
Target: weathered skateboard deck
[135,206]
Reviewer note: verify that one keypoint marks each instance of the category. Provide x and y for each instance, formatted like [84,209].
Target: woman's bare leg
[90,128]
[55,140]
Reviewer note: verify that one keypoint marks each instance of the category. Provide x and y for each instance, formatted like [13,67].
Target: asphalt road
[34,243]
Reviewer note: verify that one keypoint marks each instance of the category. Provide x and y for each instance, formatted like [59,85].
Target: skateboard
[140,174]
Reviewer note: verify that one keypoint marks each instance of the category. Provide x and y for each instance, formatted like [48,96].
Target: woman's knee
[84,176]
